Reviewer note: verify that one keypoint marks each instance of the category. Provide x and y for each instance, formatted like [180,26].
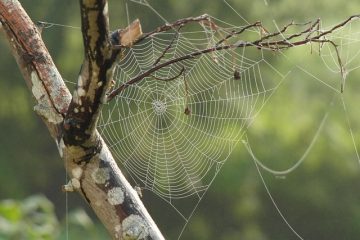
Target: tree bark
[72,119]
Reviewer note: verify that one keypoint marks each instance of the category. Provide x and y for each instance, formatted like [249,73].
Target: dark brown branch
[172,26]
[275,45]
[168,47]
[170,79]
[340,25]
[234,33]
[80,122]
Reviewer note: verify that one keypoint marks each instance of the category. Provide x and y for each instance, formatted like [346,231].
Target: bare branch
[168,47]
[338,26]
[97,69]
[234,33]
[128,36]
[36,65]
[175,24]
[172,78]
[117,44]
[265,42]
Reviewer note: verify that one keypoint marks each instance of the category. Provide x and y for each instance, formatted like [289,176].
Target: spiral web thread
[177,154]
[173,136]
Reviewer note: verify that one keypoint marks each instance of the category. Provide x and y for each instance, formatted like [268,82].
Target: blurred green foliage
[320,199]
[34,218]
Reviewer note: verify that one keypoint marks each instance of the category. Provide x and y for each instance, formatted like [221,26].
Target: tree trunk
[71,119]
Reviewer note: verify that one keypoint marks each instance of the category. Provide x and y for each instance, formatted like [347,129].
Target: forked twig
[168,47]
[170,79]
[180,22]
[268,41]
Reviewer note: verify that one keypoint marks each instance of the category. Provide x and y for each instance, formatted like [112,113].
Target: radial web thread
[173,136]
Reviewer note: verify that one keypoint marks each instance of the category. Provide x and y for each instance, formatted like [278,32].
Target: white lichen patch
[10,1]
[37,89]
[115,196]
[72,185]
[58,90]
[106,9]
[68,187]
[104,153]
[138,191]
[117,230]
[43,108]
[75,183]
[76,110]
[48,113]
[15,2]
[99,84]
[134,227]
[76,97]
[101,175]
[60,144]
[81,92]
[77,172]
[104,99]
[80,81]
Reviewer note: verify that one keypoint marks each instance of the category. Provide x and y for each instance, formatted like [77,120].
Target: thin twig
[233,33]
[275,45]
[173,25]
[168,47]
[170,79]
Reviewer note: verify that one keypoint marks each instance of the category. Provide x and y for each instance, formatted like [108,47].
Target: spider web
[174,136]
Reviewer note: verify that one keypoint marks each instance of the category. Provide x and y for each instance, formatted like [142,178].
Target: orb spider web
[174,130]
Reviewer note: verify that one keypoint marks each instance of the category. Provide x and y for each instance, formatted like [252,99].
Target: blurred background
[320,199]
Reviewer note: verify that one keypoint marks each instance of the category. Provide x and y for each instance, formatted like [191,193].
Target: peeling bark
[72,119]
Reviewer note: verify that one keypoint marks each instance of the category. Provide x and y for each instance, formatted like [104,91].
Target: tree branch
[164,28]
[95,75]
[72,120]
[264,42]
[51,94]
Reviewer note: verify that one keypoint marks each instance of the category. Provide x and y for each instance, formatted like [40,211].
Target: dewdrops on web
[173,130]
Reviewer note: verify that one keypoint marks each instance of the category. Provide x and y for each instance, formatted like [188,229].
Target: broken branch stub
[127,37]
